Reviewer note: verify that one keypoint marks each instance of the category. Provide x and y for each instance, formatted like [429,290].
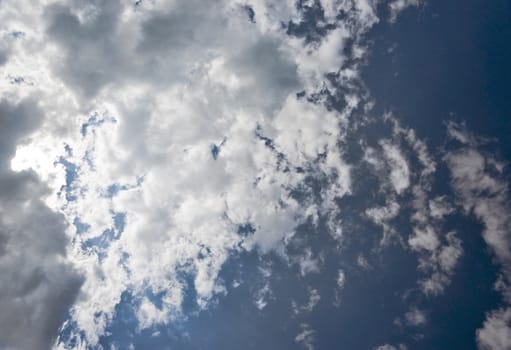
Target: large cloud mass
[177,126]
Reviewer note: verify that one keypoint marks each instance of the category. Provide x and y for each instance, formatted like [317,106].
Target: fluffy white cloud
[496,331]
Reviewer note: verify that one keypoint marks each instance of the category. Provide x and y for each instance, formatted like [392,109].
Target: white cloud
[440,259]
[440,207]
[399,171]
[496,331]
[341,279]
[392,347]
[262,296]
[306,337]
[363,263]
[424,239]
[382,216]
[308,264]
[482,190]
[438,251]
[397,6]
[314,298]
[148,314]
[415,317]
[484,194]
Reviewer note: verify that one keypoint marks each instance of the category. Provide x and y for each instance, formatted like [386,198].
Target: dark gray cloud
[3,57]
[91,53]
[37,285]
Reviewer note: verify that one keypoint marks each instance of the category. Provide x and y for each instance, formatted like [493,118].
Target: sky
[255,174]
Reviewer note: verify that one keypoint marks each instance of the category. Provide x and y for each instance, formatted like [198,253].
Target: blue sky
[312,174]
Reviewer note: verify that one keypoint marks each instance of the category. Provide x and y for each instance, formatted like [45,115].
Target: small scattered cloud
[392,347]
[415,317]
[398,6]
[306,337]
[399,169]
[314,299]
